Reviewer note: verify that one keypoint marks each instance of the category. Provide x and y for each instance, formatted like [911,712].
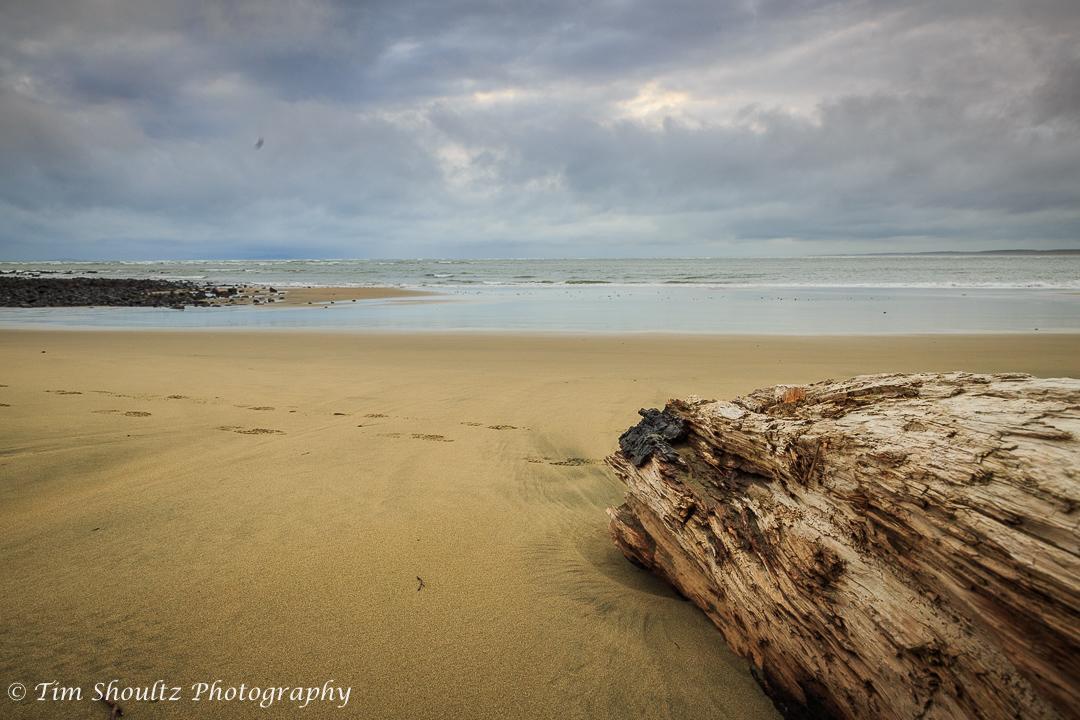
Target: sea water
[833,295]
[880,271]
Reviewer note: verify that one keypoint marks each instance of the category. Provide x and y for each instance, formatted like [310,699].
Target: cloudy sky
[536,129]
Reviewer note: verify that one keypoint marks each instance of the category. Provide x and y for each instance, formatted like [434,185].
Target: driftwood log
[890,546]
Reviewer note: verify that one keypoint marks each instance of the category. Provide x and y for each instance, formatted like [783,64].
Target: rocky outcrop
[33,291]
[83,291]
[890,546]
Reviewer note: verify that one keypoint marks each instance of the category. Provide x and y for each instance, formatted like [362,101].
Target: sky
[129,129]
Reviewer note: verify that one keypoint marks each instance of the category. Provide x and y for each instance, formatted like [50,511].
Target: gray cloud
[484,128]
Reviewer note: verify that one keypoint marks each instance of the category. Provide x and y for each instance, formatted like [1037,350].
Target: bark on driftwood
[890,546]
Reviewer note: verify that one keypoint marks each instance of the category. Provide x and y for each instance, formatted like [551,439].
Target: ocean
[818,295]
[880,271]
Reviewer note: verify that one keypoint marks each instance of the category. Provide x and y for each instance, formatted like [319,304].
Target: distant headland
[1056,251]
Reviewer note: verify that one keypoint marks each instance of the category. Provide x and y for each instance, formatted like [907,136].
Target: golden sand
[258,507]
[316,295]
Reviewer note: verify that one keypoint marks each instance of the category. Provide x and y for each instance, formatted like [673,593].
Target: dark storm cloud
[617,127]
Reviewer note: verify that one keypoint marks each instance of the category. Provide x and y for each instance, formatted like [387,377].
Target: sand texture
[257,507]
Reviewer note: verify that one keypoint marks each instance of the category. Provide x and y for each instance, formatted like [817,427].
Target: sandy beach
[261,508]
[318,295]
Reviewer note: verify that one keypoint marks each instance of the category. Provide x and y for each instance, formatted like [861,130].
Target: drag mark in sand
[433,438]
[567,462]
[417,436]
[250,431]
[126,396]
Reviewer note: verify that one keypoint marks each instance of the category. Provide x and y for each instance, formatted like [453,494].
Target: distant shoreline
[1058,251]
[913,253]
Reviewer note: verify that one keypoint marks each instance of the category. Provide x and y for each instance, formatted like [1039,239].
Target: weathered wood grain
[889,546]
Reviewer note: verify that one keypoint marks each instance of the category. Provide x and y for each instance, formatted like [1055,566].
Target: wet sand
[317,295]
[257,508]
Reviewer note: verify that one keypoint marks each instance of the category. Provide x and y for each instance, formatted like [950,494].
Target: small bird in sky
[258,143]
